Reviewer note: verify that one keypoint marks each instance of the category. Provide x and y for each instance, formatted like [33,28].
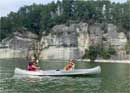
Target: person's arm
[66,67]
[36,67]
[33,66]
[73,66]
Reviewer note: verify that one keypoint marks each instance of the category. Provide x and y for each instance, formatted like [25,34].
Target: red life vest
[69,66]
[31,68]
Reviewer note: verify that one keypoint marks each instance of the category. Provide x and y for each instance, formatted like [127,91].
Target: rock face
[60,53]
[117,40]
[62,36]
[95,34]
[20,40]
[66,42]
[17,45]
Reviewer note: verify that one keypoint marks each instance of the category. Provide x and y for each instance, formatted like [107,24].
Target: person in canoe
[32,65]
[70,66]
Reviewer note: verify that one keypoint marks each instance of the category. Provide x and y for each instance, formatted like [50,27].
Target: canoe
[90,71]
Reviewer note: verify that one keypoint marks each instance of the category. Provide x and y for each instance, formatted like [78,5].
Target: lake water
[114,78]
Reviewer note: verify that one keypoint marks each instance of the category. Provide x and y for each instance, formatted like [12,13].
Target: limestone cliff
[17,45]
[71,41]
[65,42]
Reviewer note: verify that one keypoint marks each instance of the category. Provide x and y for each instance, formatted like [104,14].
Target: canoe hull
[95,70]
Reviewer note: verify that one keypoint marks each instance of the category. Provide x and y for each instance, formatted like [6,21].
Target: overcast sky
[13,5]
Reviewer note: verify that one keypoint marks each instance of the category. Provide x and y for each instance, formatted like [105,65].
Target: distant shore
[105,61]
[88,60]
[82,60]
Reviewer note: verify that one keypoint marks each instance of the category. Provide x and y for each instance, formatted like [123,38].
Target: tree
[127,47]
[39,18]
[67,9]
[92,53]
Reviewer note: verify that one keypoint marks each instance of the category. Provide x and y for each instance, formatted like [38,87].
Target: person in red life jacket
[70,66]
[33,66]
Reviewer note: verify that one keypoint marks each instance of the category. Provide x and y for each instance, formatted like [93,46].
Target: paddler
[70,66]
[33,66]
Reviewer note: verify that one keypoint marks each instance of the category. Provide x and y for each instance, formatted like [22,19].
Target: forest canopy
[41,18]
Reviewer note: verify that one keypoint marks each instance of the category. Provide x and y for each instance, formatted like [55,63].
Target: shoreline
[105,61]
[21,54]
[88,60]
[82,60]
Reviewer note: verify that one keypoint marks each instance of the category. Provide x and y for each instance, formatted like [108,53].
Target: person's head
[30,63]
[72,60]
[35,64]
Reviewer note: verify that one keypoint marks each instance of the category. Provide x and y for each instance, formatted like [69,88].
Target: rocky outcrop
[17,45]
[78,37]
[117,40]
[54,52]
[20,40]
[65,42]
[62,35]
[68,41]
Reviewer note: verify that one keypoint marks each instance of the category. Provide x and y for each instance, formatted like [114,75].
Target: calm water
[115,78]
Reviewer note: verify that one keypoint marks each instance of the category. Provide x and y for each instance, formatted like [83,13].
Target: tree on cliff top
[41,18]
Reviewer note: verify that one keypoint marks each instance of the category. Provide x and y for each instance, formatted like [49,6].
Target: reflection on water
[115,78]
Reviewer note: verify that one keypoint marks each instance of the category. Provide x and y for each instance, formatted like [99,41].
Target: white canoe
[95,70]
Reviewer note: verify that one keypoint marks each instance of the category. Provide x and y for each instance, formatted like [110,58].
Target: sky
[6,6]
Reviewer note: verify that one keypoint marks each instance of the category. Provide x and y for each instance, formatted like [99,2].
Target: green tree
[92,53]
[67,9]
[39,18]
[127,47]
